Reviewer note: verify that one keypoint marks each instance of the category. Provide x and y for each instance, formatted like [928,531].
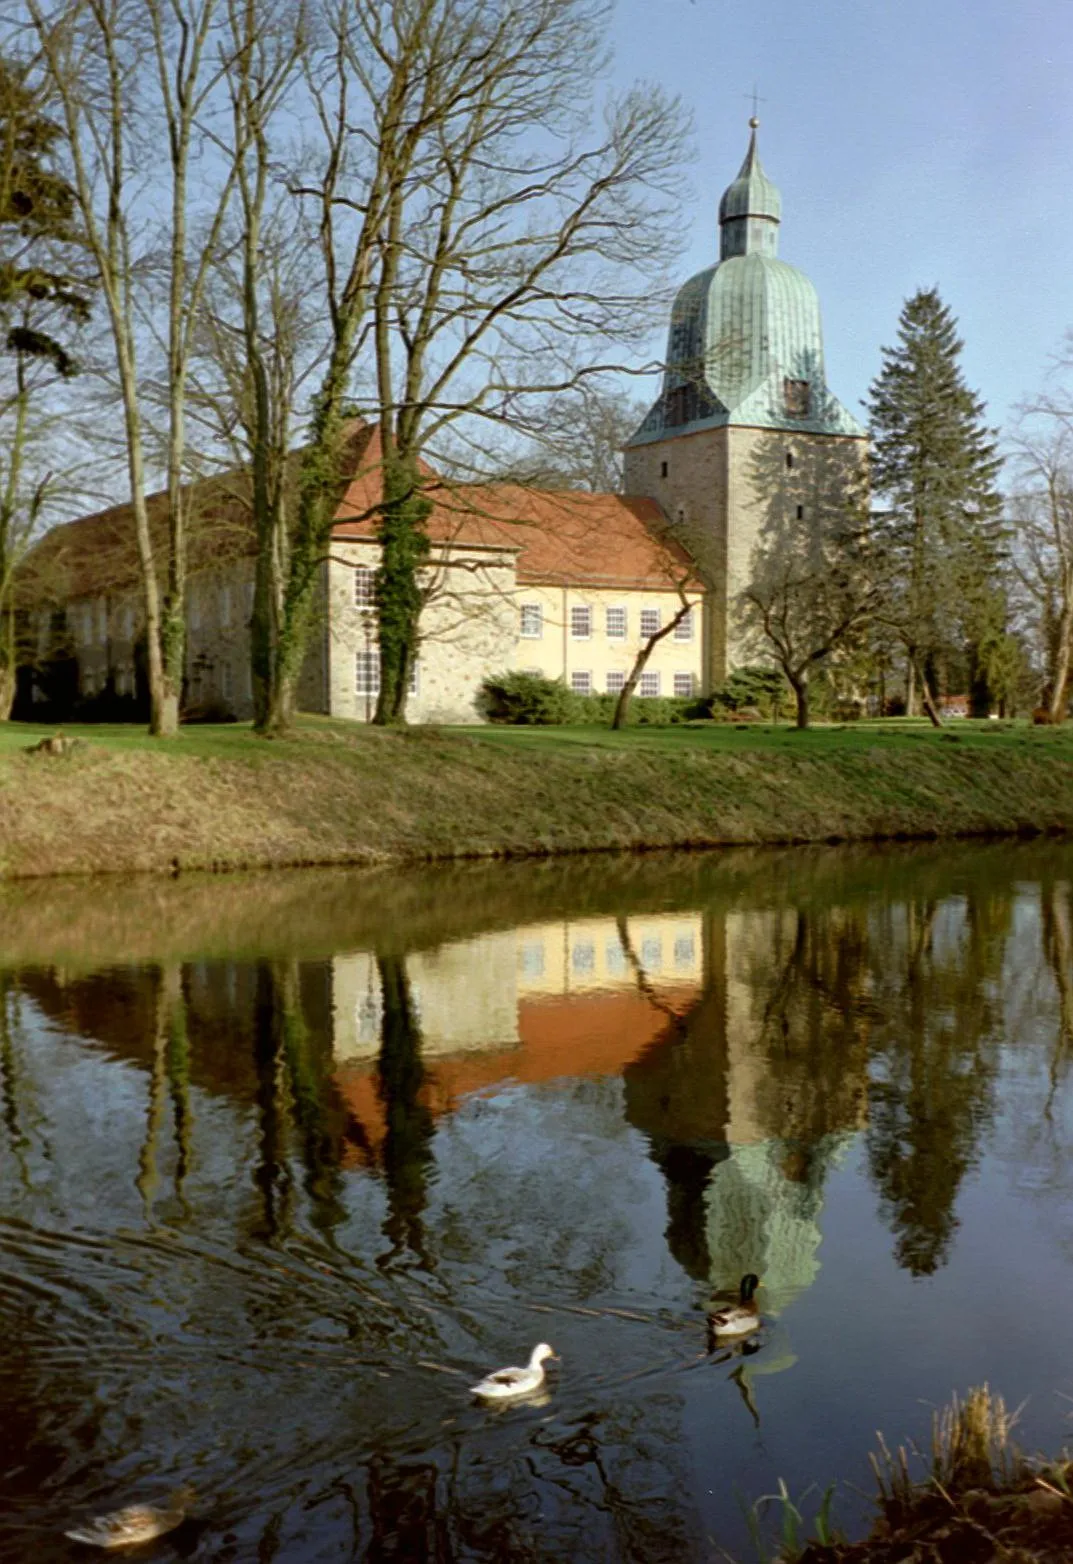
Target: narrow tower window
[663,469]
[789,461]
[800,513]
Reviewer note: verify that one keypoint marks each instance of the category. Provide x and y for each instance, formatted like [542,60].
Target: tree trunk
[799,685]
[910,687]
[7,663]
[928,700]
[404,547]
[622,705]
[1059,701]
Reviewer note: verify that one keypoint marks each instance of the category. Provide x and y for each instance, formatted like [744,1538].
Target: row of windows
[583,956]
[367,673]
[616,623]
[582,683]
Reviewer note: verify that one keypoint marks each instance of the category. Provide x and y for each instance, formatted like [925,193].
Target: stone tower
[745,413]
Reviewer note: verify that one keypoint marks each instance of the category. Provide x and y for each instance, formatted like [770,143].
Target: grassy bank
[216,797]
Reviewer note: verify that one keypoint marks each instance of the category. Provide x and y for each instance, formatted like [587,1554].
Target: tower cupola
[751,209]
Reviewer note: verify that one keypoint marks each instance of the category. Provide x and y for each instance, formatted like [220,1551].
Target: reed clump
[970,1498]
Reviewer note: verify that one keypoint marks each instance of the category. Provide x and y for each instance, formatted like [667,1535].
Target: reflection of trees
[9,1074]
[1057,915]
[170,1075]
[931,1091]
[291,1098]
[409,1127]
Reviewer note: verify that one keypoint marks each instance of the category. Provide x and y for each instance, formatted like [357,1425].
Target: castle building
[745,412]
[566,584]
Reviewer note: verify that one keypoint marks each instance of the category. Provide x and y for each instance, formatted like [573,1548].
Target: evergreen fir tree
[39,238]
[935,466]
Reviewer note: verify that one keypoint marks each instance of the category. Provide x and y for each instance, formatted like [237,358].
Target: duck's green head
[749,1284]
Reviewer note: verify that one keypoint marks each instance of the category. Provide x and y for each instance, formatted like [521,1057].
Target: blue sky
[915,142]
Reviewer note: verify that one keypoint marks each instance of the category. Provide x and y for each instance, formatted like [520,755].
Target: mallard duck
[510,1383]
[737,1319]
[137,1523]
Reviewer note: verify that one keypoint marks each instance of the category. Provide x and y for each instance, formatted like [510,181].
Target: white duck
[510,1384]
[137,1523]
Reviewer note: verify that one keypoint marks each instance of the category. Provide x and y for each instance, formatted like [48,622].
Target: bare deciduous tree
[485,243]
[134,77]
[1041,513]
[814,573]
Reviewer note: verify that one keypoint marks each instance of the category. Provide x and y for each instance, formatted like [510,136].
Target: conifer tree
[934,471]
[43,302]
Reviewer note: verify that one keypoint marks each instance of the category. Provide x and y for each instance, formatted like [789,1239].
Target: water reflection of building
[740,1038]
[538,1003]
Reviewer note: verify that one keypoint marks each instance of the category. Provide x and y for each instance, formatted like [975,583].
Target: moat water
[288,1162]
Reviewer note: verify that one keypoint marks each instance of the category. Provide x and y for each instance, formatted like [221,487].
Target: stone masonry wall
[693,495]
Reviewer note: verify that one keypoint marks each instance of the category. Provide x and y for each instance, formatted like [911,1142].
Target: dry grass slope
[221,799]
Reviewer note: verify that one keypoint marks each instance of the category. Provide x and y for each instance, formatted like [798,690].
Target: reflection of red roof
[585,1035]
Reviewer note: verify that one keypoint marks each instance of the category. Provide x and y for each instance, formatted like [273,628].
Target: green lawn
[235,740]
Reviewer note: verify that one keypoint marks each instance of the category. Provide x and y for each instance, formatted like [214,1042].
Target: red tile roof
[559,537]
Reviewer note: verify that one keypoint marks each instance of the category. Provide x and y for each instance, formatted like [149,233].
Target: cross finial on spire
[756,101]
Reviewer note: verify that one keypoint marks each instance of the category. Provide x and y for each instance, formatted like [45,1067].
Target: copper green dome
[745,344]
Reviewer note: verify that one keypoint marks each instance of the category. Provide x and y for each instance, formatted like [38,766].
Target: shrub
[751,687]
[527,699]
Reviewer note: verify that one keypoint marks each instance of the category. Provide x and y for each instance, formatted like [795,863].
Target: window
[650,622]
[789,461]
[615,683]
[367,672]
[683,685]
[128,623]
[226,682]
[193,610]
[102,621]
[583,957]
[652,954]
[800,513]
[616,624]
[581,623]
[649,684]
[225,604]
[581,682]
[796,393]
[531,959]
[614,958]
[684,951]
[532,626]
[683,630]
[364,587]
[663,469]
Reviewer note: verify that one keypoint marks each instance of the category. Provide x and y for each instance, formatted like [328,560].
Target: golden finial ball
[754,123]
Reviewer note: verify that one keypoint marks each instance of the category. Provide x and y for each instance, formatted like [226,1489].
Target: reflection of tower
[748,1104]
